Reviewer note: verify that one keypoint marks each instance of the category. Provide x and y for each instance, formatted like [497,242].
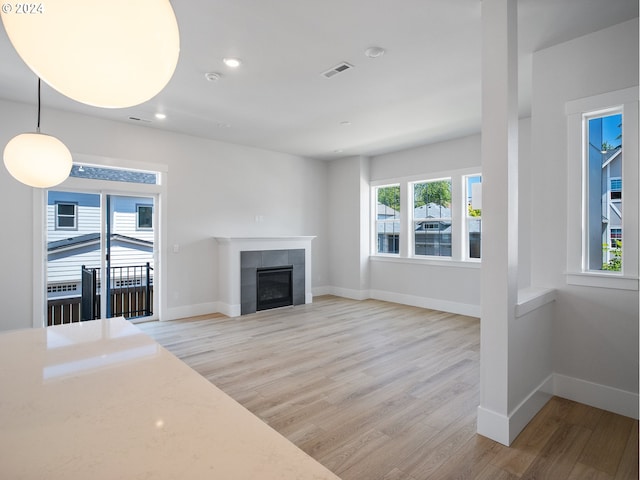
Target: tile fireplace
[241,258]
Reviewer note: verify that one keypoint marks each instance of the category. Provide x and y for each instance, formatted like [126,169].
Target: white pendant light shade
[105,53]
[37,160]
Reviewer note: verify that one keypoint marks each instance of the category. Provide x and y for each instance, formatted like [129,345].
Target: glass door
[129,256]
[100,256]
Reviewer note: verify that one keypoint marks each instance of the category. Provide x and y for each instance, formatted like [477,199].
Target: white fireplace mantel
[229,249]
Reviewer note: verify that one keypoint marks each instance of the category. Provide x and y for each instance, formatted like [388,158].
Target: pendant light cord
[38,126]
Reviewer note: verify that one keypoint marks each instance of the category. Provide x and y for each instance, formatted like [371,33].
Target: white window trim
[577,273]
[458,218]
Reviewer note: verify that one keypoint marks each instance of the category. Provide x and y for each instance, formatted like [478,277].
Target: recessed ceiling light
[160,116]
[232,62]
[345,123]
[212,76]
[374,52]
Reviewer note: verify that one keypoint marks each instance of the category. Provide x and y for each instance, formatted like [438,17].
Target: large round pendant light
[36,159]
[105,53]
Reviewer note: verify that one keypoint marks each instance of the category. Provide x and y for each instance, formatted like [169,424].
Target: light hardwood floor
[376,390]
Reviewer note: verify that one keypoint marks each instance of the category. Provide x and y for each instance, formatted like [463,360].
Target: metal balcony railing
[130,293]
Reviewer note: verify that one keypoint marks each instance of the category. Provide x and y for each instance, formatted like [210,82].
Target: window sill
[603,280]
[436,262]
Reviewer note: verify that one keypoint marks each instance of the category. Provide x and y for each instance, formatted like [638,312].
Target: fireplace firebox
[274,287]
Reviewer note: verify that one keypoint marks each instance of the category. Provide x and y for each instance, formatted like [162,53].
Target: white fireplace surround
[229,249]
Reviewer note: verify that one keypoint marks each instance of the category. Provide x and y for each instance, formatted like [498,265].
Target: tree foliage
[438,192]
[615,263]
[473,212]
[606,146]
[390,196]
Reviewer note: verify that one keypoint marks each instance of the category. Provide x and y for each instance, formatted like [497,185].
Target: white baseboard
[319,291]
[346,293]
[596,395]
[493,425]
[403,299]
[426,302]
[191,311]
[504,429]
[529,407]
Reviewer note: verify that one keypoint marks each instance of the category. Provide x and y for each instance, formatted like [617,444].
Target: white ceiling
[425,88]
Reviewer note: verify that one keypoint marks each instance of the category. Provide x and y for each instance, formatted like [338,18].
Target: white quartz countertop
[102,400]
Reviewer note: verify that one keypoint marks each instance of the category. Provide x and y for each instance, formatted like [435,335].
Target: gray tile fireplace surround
[251,261]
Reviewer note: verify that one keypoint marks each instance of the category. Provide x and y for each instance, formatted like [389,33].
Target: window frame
[74,216]
[578,113]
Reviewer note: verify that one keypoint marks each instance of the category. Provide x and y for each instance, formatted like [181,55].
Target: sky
[611,129]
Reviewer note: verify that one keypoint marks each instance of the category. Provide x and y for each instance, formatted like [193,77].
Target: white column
[499,213]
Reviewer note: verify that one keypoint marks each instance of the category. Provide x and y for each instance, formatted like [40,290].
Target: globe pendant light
[105,53]
[36,159]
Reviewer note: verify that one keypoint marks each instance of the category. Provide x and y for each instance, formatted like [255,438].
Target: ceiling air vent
[341,67]
[137,119]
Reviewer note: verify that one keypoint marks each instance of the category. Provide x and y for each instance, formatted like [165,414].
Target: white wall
[348,273]
[214,188]
[595,332]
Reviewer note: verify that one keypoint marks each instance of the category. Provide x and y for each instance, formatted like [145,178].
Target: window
[432,226]
[145,217]
[616,189]
[604,190]
[66,216]
[388,219]
[473,184]
[426,219]
[602,147]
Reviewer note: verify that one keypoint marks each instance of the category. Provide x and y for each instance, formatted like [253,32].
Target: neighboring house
[612,188]
[432,231]
[73,239]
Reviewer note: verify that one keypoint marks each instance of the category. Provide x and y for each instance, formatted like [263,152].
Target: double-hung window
[66,216]
[432,227]
[432,218]
[602,237]
[388,219]
[144,217]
